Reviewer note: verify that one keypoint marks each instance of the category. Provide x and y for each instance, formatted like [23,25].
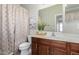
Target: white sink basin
[49,34]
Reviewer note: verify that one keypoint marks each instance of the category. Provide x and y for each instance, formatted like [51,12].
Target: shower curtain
[13,28]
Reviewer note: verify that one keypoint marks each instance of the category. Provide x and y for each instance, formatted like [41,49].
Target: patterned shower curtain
[13,27]
[0,32]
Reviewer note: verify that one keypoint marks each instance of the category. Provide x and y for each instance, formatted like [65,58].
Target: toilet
[25,47]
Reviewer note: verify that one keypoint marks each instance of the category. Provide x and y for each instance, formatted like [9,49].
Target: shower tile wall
[14,21]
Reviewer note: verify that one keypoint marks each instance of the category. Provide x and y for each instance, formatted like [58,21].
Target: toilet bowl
[24,48]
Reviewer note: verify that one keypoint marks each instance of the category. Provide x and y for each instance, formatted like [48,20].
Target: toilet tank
[29,38]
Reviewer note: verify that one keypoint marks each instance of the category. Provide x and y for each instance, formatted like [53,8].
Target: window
[61,27]
[59,23]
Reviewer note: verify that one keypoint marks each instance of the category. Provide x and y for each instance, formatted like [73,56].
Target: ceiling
[37,6]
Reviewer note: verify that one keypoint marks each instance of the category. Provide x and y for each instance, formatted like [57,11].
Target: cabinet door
[34,46]
[59,48]
[43,49]
[74,48]
[58,51]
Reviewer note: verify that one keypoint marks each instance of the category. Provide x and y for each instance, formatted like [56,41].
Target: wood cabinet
[41,46]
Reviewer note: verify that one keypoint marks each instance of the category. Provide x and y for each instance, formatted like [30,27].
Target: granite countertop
[73,39]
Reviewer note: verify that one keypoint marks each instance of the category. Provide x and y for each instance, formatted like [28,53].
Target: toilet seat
[24,45]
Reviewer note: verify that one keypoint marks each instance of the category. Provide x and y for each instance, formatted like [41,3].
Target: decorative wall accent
[32,25]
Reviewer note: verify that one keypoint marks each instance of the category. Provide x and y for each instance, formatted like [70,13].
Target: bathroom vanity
[64,43]
[54,46]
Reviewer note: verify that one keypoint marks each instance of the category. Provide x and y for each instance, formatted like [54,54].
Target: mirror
[71,18]
[61,18]
[53,17]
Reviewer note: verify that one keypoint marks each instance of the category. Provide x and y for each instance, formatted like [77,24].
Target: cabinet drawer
[59,44]
[44,41]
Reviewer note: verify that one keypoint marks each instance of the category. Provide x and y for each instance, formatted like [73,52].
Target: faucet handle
[53,34]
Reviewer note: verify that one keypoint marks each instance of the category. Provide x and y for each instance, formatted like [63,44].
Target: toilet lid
[24,44]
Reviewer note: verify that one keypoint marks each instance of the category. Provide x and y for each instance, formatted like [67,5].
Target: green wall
[48,14]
